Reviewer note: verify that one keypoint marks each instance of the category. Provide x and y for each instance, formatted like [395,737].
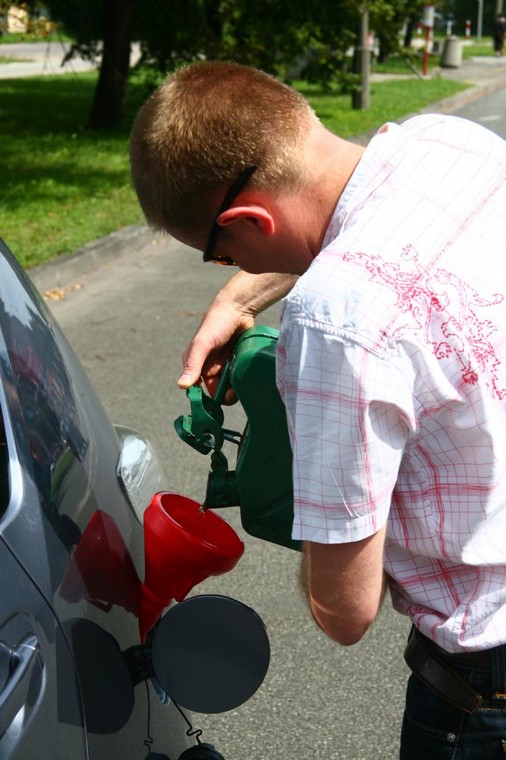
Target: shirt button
[450,738]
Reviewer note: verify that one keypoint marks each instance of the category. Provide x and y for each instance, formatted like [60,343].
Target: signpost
[428,23]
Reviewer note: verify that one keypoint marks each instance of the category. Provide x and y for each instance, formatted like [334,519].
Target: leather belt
[426,662]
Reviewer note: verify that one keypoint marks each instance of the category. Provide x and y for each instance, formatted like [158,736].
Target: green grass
[63,185]
[389,101]
[13,37]
[483,48]
[399,64]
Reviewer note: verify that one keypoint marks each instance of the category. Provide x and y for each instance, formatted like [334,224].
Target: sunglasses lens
[223,261]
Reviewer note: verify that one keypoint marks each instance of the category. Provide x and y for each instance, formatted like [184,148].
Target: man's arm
[345,585]
[232,312]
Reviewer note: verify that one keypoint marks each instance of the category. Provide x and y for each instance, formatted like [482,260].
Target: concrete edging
[69,267]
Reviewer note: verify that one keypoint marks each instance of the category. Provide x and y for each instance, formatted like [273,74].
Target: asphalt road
[490,111]
[129,320]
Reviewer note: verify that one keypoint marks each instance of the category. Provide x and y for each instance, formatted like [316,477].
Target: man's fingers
[192,370]
[186,380]
[200,363]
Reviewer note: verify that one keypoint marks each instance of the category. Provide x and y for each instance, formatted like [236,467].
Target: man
[498,34]
[391,360]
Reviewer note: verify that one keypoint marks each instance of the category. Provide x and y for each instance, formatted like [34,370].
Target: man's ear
[252,214]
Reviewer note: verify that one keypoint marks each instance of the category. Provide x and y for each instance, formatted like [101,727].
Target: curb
[64,269]
[448,105]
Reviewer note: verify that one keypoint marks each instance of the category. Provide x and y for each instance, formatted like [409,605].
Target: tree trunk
[108,104]
[410,29]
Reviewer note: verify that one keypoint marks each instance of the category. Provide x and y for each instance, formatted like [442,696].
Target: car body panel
[63,454]
[26,730]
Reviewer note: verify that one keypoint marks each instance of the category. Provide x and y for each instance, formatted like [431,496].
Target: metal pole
[360,99]
[479,30]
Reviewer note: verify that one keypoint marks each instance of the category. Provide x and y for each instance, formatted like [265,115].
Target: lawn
[389,101]
[14,37]
[409,63]
[484,47]
[63,185]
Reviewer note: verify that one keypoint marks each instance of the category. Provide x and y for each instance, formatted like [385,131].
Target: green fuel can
[261,483]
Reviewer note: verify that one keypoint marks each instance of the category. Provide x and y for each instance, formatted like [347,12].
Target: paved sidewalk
[45,59]
[485,74]
[39,59]
[477,70]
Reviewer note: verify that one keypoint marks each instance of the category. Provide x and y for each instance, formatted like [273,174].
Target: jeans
[433,729]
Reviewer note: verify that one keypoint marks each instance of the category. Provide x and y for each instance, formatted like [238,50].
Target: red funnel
[183,546]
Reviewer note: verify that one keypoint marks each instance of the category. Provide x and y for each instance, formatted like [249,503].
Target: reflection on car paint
[101,569]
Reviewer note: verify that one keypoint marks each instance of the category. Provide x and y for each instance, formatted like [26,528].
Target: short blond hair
[199,129]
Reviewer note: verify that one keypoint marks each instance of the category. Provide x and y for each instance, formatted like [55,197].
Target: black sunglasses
[232,193]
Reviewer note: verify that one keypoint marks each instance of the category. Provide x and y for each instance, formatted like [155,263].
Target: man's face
[253,252]
[259,233]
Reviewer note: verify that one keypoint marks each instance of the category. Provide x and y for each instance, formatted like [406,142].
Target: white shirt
[392,366]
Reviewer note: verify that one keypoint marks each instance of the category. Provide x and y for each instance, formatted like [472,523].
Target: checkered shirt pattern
[392,366]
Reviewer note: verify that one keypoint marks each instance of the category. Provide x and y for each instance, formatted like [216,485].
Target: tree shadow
[45,145]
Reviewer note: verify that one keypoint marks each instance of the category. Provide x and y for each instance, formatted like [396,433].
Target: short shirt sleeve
[349,414]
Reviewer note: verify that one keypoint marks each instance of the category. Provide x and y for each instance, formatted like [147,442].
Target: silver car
[76,679]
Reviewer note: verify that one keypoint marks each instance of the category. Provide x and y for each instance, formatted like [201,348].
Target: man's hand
[231,313]
[212,344]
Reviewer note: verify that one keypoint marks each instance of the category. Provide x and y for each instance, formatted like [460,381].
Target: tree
[465,10]
[169,32]
[388,19]
[101,28]
[289,38]
[108,103]
[284,37]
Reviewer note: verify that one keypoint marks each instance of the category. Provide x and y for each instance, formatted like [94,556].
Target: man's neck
[332,161]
